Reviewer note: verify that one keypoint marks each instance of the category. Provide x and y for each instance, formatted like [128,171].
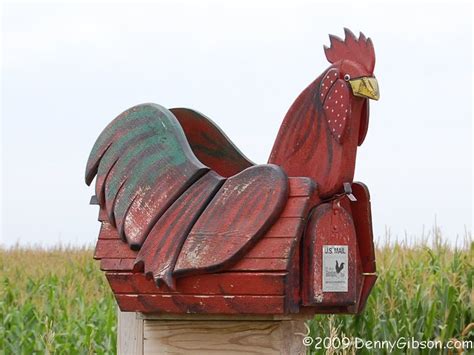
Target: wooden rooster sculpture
[321,131]
[188,203]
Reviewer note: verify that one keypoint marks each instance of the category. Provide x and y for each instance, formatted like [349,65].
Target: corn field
[57,300]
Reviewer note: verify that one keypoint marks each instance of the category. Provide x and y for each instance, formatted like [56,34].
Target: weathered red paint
[361,213]
[308,143]
[117,264]
[157,257]
[137,224]
[330,224]
[190,225]
[208,304]
[269,268]
[229,283]
[245,264]
[113,249]
[226,230]
[211,146]
[362,216]
[259,264]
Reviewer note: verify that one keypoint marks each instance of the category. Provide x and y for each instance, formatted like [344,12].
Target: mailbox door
[331,263]
[337,231]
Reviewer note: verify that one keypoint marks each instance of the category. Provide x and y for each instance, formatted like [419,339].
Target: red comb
[358,50]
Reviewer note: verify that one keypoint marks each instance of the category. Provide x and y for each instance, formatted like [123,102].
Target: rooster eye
[347,77]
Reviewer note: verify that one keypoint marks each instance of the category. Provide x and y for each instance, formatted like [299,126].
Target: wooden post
[206,334]
[129,333]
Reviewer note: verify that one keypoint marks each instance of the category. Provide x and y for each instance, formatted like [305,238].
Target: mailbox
[189,225]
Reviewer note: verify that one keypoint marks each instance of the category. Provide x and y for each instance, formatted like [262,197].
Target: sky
[69,69]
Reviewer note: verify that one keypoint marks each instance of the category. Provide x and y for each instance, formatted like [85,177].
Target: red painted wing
[143,164]
[160,251]
[155,190]
[240,213]
[211,146]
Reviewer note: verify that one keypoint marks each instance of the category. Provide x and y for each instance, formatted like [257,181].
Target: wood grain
[242,211]
[117,264]
[129,333]
[210,144]
[264,270]
[330,224]
[245,264]
[261,265]
[271,248]
[113,249]
[301,186]
[295,207]
[210,304]
[160,251]
[361,212]
[110,246]
[108,232]
[228,283]
[226,317]
[223,337]
[228,231]
[143,163]
[310,143]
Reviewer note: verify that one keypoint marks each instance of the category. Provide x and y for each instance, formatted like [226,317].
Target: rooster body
[322,129]
[339,267]
[178,191]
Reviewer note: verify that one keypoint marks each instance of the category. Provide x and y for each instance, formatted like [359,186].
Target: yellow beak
[365,87]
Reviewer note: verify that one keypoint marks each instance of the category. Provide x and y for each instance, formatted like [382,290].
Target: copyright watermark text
[402,343]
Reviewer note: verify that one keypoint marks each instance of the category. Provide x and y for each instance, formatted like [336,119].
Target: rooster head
[350,80]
